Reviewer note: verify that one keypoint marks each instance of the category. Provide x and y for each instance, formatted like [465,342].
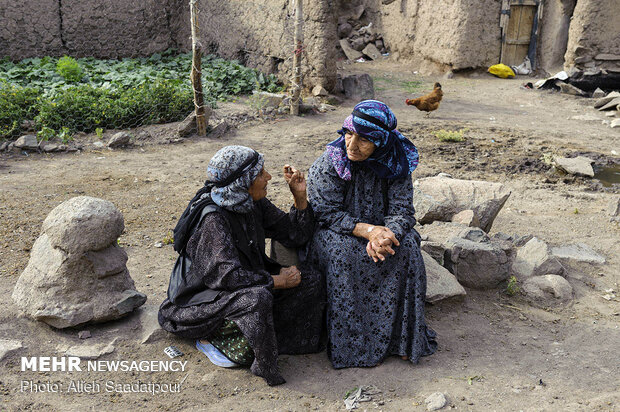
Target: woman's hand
[297,184]
[380,242]
[289,277]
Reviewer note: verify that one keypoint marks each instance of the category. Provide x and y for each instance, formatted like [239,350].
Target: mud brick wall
[260,34]
[114,28]
[594,36]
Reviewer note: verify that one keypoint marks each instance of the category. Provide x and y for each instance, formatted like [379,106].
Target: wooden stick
[196,75]
[298,41]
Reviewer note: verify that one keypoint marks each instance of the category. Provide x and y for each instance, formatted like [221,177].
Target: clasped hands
[380,242]
[289,277]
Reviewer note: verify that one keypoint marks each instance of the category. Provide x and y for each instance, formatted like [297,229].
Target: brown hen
[429,102]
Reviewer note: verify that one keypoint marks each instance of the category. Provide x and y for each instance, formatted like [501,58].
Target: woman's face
[258,188]
[358,148]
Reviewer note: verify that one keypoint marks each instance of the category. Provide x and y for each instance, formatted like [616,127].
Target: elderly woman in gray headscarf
[241,306]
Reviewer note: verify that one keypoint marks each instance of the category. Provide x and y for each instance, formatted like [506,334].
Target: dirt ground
[496,353]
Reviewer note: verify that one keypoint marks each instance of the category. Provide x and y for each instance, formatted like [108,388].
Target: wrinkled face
[258,188]
[358,147]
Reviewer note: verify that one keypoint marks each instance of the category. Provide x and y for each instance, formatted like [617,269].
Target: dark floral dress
[287,321]
[373,309]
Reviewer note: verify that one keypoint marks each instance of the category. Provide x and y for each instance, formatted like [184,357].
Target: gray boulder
[440,283]
[579,252]
[535,259]
[441,197]
[598,93]
[344,29]
[580,165]
[466,217]
[349,51]
[358,87]
[188,126]
[547,289]
[611,105]
[605,100]
[479,264]
[77,273]
[27,142]
[119,139]
[371,51]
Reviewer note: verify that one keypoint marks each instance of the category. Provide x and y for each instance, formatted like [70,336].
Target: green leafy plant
[512,288]
[46,134]
[169,238]
[69,69]
[17,104]
[65,135]
[99,132]
[450,135]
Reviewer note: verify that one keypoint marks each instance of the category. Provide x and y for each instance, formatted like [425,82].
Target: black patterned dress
[373,309]
[286,321]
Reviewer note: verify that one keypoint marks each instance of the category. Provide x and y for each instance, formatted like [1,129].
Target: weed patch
[450,135]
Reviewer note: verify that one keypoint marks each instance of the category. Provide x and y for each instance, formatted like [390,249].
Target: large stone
[604,100]
[611,105]
[598,93]
[349,51]
[319,90]
[358,87]
[119,139]
[8,346]
[83,223]
[344,29]
[27,142]
[188,126]
[580,165]
[479,264]
[441,197]
[615,123]
[371,51]
[436,401]
[358,44]
[77,273]
[466,217]
[440,283]
[535,259]
[579,252]
[547,289]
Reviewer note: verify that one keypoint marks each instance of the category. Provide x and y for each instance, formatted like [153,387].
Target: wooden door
[517,19]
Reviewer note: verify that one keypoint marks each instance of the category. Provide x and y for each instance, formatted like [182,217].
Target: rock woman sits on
[366,244]
[241,306]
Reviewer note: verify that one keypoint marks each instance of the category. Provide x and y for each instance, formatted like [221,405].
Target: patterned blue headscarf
[231,161]
[394,156]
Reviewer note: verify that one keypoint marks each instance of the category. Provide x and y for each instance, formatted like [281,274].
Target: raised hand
[297,184]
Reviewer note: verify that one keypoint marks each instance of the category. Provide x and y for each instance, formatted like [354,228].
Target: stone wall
[114,28]
[594,36]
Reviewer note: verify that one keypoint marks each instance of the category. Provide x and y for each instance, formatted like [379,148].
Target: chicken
[428,102]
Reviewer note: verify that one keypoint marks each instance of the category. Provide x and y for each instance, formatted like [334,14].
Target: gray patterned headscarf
[227,161]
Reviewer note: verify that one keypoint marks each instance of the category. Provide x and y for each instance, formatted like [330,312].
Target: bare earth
[495,352]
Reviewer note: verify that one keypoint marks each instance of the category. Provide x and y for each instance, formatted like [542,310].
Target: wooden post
[298,41]
[196,74]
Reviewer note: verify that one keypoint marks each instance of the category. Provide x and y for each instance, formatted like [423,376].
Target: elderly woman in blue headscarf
[366,246]
[242,307]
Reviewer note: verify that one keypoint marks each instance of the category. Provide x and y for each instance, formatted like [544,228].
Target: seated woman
[224,291]
[366,244]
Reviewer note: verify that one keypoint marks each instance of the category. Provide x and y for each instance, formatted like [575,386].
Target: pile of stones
[359,41]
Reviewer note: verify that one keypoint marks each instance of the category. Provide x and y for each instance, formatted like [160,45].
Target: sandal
[215,356]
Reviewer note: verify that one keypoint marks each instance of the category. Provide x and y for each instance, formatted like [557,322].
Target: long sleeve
[215,259]
[400,218]
[293,229]
[326,191]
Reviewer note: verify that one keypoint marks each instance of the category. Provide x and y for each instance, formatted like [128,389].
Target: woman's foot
[215,356]
[404,357]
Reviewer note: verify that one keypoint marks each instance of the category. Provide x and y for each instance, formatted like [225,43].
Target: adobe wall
[114,28]
[260,34]
[553,38]
[594,36]
[440,35]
